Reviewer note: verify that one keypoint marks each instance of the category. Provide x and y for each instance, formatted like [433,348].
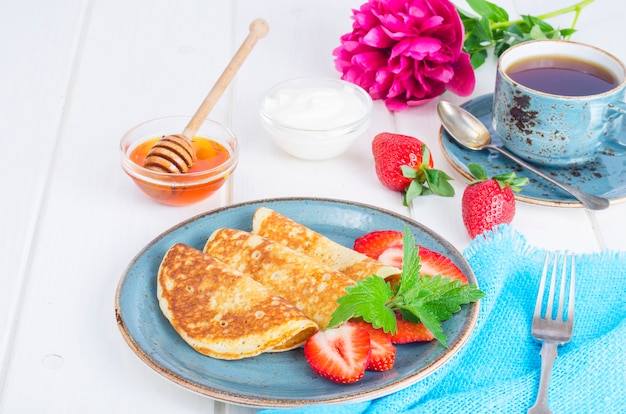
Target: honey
[210,154]
[204,177]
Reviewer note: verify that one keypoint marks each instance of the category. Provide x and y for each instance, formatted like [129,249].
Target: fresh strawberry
[434,263]
[383,353]
[373,244]
[339,354]
[410,332]
[386,246]
[488,202]
[404,163]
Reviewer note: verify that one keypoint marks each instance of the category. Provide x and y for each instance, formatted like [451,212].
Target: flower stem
[573,8]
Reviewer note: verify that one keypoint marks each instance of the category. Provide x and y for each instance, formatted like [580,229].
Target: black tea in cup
[566,76]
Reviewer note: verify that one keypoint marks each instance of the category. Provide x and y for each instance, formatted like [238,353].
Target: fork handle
[548,355]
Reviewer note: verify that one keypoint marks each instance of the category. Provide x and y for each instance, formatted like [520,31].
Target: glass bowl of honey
[217,154]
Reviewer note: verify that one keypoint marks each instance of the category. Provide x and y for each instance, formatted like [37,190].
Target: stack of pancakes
[265,291]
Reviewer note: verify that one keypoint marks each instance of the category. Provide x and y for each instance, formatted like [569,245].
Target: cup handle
[612,145]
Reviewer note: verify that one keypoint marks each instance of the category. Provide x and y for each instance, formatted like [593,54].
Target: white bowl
[315,118]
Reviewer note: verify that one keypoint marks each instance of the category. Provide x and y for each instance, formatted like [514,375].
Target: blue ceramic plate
[277,379]
[606,176]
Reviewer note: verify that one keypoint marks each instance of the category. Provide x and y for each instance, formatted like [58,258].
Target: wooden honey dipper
[175,153]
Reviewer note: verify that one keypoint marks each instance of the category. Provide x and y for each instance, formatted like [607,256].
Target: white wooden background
[75,74]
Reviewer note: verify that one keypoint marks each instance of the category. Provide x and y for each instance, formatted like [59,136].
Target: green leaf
[410,263]
[409,172]
[478,58]
[415,189]
[567,32]
[489,10]
[367,299]
[438,182]
[419,298]
[518,183]
[537,34]
[492,28]
[434,299]
[433,324]
[510,179]
[532,22]
[477,171]
[425,157]
[484,32]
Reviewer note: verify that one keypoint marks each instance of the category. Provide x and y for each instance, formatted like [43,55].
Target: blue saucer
[605,176]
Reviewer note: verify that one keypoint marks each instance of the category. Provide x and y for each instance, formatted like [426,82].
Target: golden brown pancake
[305,282]
[222,313]
[275,226]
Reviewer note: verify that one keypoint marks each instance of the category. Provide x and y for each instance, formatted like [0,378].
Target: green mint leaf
[367,299]
[419,298]
[410,263]
[435,299]
[431,322]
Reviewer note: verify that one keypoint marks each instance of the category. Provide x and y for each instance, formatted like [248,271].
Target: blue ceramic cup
[559,120]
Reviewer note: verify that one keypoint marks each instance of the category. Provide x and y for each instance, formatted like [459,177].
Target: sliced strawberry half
[434,263]
[409,332]
[386,246]
[383,353]
[375,243]
[339,354]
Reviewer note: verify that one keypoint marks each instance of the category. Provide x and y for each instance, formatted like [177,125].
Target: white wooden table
[75,74]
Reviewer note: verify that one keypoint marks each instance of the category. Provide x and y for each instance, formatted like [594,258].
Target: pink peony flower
[406,52]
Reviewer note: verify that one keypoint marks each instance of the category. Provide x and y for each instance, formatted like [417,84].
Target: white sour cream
[315,108]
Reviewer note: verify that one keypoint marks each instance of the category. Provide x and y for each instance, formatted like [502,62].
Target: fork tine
[542,286]
[559,314]
[552,286]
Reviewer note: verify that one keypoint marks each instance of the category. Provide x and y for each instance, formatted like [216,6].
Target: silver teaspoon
[472,134]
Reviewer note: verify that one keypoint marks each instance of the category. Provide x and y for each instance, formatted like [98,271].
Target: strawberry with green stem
[488,202]
[404,163]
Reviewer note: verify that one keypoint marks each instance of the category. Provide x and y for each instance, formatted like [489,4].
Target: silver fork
[552,331]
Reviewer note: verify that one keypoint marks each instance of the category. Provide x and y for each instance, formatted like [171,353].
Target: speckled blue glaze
[605,176]
[558,130]
[280,379]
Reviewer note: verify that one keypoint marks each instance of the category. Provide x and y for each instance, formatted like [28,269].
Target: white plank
[38,42]
[140,60]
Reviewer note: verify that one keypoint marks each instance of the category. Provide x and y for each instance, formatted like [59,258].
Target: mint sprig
[430,299]
[493,29]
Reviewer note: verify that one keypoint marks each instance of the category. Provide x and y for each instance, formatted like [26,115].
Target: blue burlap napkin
[498,369]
